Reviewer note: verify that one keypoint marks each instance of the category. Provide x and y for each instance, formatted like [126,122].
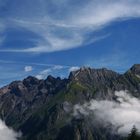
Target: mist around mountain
[91,104]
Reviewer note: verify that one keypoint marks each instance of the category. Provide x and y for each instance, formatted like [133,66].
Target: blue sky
[39,37]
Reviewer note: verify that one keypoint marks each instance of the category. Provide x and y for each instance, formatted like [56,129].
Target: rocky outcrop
[42,109]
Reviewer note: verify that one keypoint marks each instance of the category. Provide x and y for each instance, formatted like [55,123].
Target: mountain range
[43,109]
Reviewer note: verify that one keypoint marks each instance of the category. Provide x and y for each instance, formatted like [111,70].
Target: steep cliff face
[21,98]
[99,81]
[42,109]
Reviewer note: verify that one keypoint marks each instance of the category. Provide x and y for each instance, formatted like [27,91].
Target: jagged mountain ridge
[41,108]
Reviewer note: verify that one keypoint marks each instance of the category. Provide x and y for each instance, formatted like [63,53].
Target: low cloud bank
[7,133]
[122,114]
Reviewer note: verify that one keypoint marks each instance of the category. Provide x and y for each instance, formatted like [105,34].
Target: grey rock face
[41,109]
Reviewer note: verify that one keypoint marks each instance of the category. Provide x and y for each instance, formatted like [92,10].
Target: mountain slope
[42,109]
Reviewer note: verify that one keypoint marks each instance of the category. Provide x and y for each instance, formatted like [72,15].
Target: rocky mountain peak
[30,80]
[76,73]
[50,78]
[135,69]
[93,74]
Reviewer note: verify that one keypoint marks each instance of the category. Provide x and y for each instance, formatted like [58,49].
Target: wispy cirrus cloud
[18,70]
[43,74]
[51,71]
[59,30]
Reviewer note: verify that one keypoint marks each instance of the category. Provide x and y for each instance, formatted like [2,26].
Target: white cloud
[28,68]
[122,114]
[65,30]
[7,133]
[51,41]
[58,67]
[51,70]
[39,76]
[43,74]
[74,68]
[106,11]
